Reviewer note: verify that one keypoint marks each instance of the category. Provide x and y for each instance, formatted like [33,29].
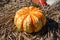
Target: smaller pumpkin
[41,2]
[29,19]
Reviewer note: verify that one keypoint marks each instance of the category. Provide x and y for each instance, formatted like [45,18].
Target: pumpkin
[41,2]
[29,19]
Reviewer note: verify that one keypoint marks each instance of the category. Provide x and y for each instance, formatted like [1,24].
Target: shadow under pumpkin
[52,26]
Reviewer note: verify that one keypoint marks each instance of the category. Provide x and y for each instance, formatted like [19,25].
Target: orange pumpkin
[29,19]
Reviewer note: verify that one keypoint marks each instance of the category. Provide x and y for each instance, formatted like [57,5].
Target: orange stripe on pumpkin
[37,15]
[19,14]
[33,23]
[23,20]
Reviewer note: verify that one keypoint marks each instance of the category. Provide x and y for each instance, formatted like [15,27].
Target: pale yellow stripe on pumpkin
[23,20]
[20,22]
[27,24]
[40,15]
[16,18]
[18,14]
[37,24]
[37,13]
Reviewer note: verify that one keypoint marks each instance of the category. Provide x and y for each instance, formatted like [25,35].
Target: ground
[51,31]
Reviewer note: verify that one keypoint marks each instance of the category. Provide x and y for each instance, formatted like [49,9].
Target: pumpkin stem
[34,4]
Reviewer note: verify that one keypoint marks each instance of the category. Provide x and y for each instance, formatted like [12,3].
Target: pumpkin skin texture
[29,19]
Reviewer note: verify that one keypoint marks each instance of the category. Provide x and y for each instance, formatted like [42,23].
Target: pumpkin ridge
[37,15]
[17,16]
[23,20]
[33,23]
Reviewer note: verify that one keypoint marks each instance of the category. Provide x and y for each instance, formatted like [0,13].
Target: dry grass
[51,31]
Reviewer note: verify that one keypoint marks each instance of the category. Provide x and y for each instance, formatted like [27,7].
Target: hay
[51,31]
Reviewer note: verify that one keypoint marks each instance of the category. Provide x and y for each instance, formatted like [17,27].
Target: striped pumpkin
[29,19]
